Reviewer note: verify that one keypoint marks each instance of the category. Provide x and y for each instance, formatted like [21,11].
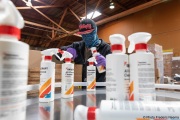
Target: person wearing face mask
[81,50]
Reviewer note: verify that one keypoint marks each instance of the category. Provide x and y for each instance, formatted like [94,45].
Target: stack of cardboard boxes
[158,62]
[168,63]
[175,66]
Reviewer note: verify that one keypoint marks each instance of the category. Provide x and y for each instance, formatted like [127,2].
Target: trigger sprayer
[65,55]
[138,41]
[49,52]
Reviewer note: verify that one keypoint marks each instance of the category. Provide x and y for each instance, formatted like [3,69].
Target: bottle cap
[117,42]
[138,41]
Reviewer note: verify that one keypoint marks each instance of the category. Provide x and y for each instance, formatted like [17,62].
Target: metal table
[62,109]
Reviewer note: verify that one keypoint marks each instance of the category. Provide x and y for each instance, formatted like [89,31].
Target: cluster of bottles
[129,99]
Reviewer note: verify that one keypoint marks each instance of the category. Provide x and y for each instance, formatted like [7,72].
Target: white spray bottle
[14,57]
[117,71]
[67,88]
[129,110]
[91,75]
[100,68]
[142,76]
[47,75]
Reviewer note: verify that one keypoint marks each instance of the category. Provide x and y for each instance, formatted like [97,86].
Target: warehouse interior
[55,23]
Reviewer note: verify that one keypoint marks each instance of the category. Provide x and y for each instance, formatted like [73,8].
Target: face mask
[91,39]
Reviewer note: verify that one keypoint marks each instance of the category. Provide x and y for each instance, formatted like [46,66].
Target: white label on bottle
[139,110]
[67,79]
[47,80]
[91,77]
[117,77]
[146,80]
[13,80]
[127,79]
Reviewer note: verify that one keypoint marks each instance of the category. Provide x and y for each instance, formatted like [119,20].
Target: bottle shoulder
[13,41]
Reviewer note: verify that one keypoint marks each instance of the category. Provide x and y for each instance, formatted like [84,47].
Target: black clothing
[82,56]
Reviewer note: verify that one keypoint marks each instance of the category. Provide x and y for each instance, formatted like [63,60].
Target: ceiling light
[96,14]
[111,6]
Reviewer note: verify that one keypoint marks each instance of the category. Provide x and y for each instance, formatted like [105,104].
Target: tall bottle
[47,76]
[100,68]
[117,71]
[91,75]
[142,76]
[129,110]
[14,57]
[67,83]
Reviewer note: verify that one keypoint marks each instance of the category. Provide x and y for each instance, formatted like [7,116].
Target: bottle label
[146,80]
[46,80]
[91,77]
[127,79]
[140,110]
[67,79]
[13,80]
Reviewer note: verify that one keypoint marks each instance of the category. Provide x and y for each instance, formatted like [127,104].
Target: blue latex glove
[101,60]
[73,52]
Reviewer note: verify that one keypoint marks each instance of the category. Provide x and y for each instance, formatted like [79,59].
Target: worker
[81,50]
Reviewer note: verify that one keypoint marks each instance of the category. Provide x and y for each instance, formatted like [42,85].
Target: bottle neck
[141,47]
[10,31]
[91,63]
[67,60]
[48,58]
[116,48]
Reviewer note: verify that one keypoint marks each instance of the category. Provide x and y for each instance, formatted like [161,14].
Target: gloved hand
[101,60]
[73,52]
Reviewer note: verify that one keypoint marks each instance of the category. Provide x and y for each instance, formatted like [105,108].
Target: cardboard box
[156,50]
[168,63]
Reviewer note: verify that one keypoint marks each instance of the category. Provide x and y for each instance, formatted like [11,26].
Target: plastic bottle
[47,76]
[67,109]
[46,111]
[14,57]
[117,71]
[142,76]
[100,68]
[91,75]
[129,110]
[67,88]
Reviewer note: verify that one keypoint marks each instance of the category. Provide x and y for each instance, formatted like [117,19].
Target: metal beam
[74,14]
[40,2]
[120,15]
[33,35]
[47,17]
[37,7]
[42,26]
[64,13]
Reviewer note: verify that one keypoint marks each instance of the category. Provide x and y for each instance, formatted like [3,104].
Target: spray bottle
[129,110]
[47,76]
[14,57]
[100,68]
[142,76]
[67,88]
[117,71]
[91,75]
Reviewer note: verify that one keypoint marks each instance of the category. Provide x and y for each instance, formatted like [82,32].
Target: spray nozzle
[92,60]
[50,52]
[117,42]
[138,41]
[65,55]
